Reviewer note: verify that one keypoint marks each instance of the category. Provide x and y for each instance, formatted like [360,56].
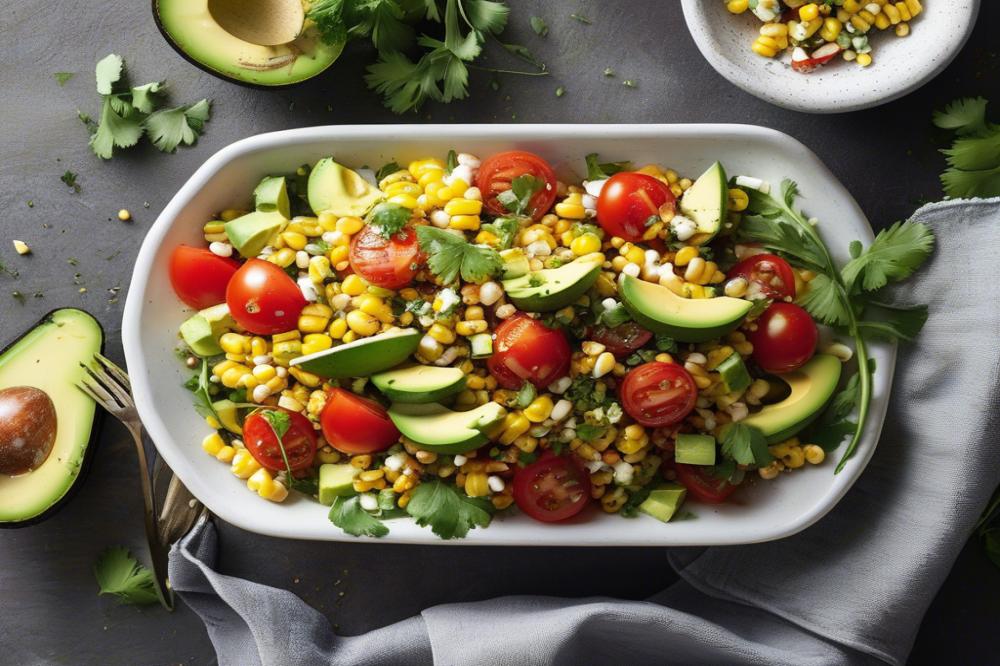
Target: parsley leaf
[517,199]
[170,128]
[108,72]
[120,574]
[389,218]
[450,513]
[347,514]
[745,445]
[142,96]
[505,229]
[598,171]
[894,255]
[450,255]
[114,131]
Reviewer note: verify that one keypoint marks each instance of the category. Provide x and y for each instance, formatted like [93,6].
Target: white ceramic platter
[901,64]
[764,511]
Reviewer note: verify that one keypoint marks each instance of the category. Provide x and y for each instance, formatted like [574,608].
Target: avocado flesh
[515,263]
[336,480]
[364,357]
[734,374]
[812,386]
[436,428]
[419,384]
[48,358]
[552,288]
[684,319]
[705,203]
[250,233]
[228,414]
[692,449]
[664,501]
[191,29]
[271,195]
[202,330]
[333,188]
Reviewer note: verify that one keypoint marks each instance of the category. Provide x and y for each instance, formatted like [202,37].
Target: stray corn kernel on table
[887,158]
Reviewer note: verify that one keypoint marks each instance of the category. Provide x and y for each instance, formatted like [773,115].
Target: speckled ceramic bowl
[901,65]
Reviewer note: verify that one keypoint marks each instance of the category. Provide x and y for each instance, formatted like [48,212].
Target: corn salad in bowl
[814,33]
[460,336]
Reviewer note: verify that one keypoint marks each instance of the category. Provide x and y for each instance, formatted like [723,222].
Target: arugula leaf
[386,170]
[114,131]
[517,199]
[539,26]
[389,218]
[450,513]
[170,128]
[505,229]
[745,445]
[120,574]
[599,171]
[142,96]
[347,514]
[108,72]
[894,255]
[450,255]
[894,322]
[63,77]
[965,116]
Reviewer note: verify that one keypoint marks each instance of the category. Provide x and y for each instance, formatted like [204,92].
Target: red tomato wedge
[528,350]
[552,488]
[702,485]
[390,263]
[263,299]
[199,278]
[497,172]
[299,441]
[353,424]
[658,394]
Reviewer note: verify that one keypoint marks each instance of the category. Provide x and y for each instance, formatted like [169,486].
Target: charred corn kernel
[349,225]
[212,444]
[737,6]
[362,323]
[809,11]
[513,425]
[441,333]
[685,255]
[244,464]
[234,343]
[539,409]
[337,328]
[429,349]
[354,285]
[467,328]
[464,222]
[266,486]
[463,207]
[864,59]
[316,342]
[477,485]
[314,318]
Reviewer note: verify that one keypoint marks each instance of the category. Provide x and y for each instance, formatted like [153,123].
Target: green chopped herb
[120,574]
[70,179]
[581,18]
[518,198]
[449,512]
[560,91]
[347,514]
[630,83]
[539,26]
[63,77]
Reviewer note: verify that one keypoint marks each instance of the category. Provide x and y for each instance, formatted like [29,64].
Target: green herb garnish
[505,229]
[347,514]
[539,26]
[517,200]
[974,157]
[744,445]
[69,178]
[389,218]
[449,512]
[450,255]
[63,77]
[120,574]
[596,170]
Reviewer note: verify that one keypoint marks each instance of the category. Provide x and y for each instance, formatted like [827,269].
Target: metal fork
[109,386]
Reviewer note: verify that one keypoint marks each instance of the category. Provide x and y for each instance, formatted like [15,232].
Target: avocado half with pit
[553,288]
[264,44]
[705,204]
[47,358]
[364,357]
[811,386]
[436,428]
[684,319]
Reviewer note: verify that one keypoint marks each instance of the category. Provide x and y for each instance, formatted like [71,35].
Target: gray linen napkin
[851,589]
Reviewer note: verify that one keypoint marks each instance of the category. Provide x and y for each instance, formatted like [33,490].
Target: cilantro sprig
[449,513]
[388,218]
[845,298]
[505,229]
[347,514]
[745,445]
[517,200]
[974,157]
[120,574]
[450,255]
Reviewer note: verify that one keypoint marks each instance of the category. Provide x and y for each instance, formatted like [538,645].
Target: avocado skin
[95,429]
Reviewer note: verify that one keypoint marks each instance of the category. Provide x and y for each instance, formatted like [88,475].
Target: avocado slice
[336,480]
[684,319]
[553,288]
[705,203]
[693,449]
[436,428]
[734,374]
[333,188]
[364,357]
[202,330]
[228,40]
[664,501]
[811,386]
[481,345]
[271,195]
[419,383]
[228,414]
[251,232]
[48,357]
[515,263]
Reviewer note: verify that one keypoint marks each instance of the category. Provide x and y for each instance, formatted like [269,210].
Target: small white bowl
[901,64]
[760,512]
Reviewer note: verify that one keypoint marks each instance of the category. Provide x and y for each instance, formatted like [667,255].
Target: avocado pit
[27,429]
[265,22]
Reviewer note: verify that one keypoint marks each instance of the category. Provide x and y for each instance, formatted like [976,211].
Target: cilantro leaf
[965,116]
[745,445]
[386,170]
[485,15]
[450,513]
[823,300]
[974,158]
[973,153]
[279,421]
[142,96]
[505,229]
[63,77]
[450,255]
[108,72]
[539,26]
[894,322]
[630,508]
[830,436]
[970,184]
[844,401]
[120,574]
[202,398]
[389,218]
[517,199]
[170,128]
[616,316]
[772,229]
[598,171]
[384,21]
[114,131]
[69,178]
[347,514]
[328,15]
[588,432]
[894,255]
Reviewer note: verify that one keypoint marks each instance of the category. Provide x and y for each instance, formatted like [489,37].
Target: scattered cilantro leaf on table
[120,574]
[63,77]
[974,157]
[142,96]
[745,445]
[450,255]
[170,128]
[347,514]
[449,513]
[539,26]
[69,178]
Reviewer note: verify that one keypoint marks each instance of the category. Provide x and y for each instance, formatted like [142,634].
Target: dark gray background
[887,157]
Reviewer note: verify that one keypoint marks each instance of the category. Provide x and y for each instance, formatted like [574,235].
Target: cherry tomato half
[627,202]
[623,339]
[353,424]
[390,263]
[702,485]
[528,350]
[497,172]
[199,278]
[658,394]
[299,441]
[785,338]
[769,274]
[552,488]
[263,299]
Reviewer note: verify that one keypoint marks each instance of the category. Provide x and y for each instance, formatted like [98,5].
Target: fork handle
[157,549]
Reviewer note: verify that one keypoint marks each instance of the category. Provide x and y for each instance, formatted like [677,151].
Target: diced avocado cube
[250,233]
[734,374]
[481,345]
[271,195]
[336,480]
[515,263]
[201,331]
[335,189]
[693,449]
[664,501]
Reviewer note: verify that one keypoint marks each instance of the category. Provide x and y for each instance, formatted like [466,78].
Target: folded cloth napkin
[850,589]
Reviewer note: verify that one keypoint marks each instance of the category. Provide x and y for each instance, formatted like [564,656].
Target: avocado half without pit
[265,43]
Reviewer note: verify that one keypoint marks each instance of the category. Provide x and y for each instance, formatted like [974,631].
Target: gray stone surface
[887,157]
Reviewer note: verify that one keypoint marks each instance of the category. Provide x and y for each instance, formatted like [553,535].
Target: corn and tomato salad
[532,292]
[814,33]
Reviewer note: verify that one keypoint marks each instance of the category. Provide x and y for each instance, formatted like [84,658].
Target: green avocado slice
[251,232]
[684,319]
[436,428]
[271,195]
[812,386]
[364,357]
[333,188]
[48,357]
[664,501]
[553,288]
[336,480]
[201,331]
[419,383]
[705,203]
[694,449]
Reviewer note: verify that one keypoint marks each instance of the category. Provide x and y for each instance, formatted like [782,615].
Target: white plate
[901,64]
[763,511]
